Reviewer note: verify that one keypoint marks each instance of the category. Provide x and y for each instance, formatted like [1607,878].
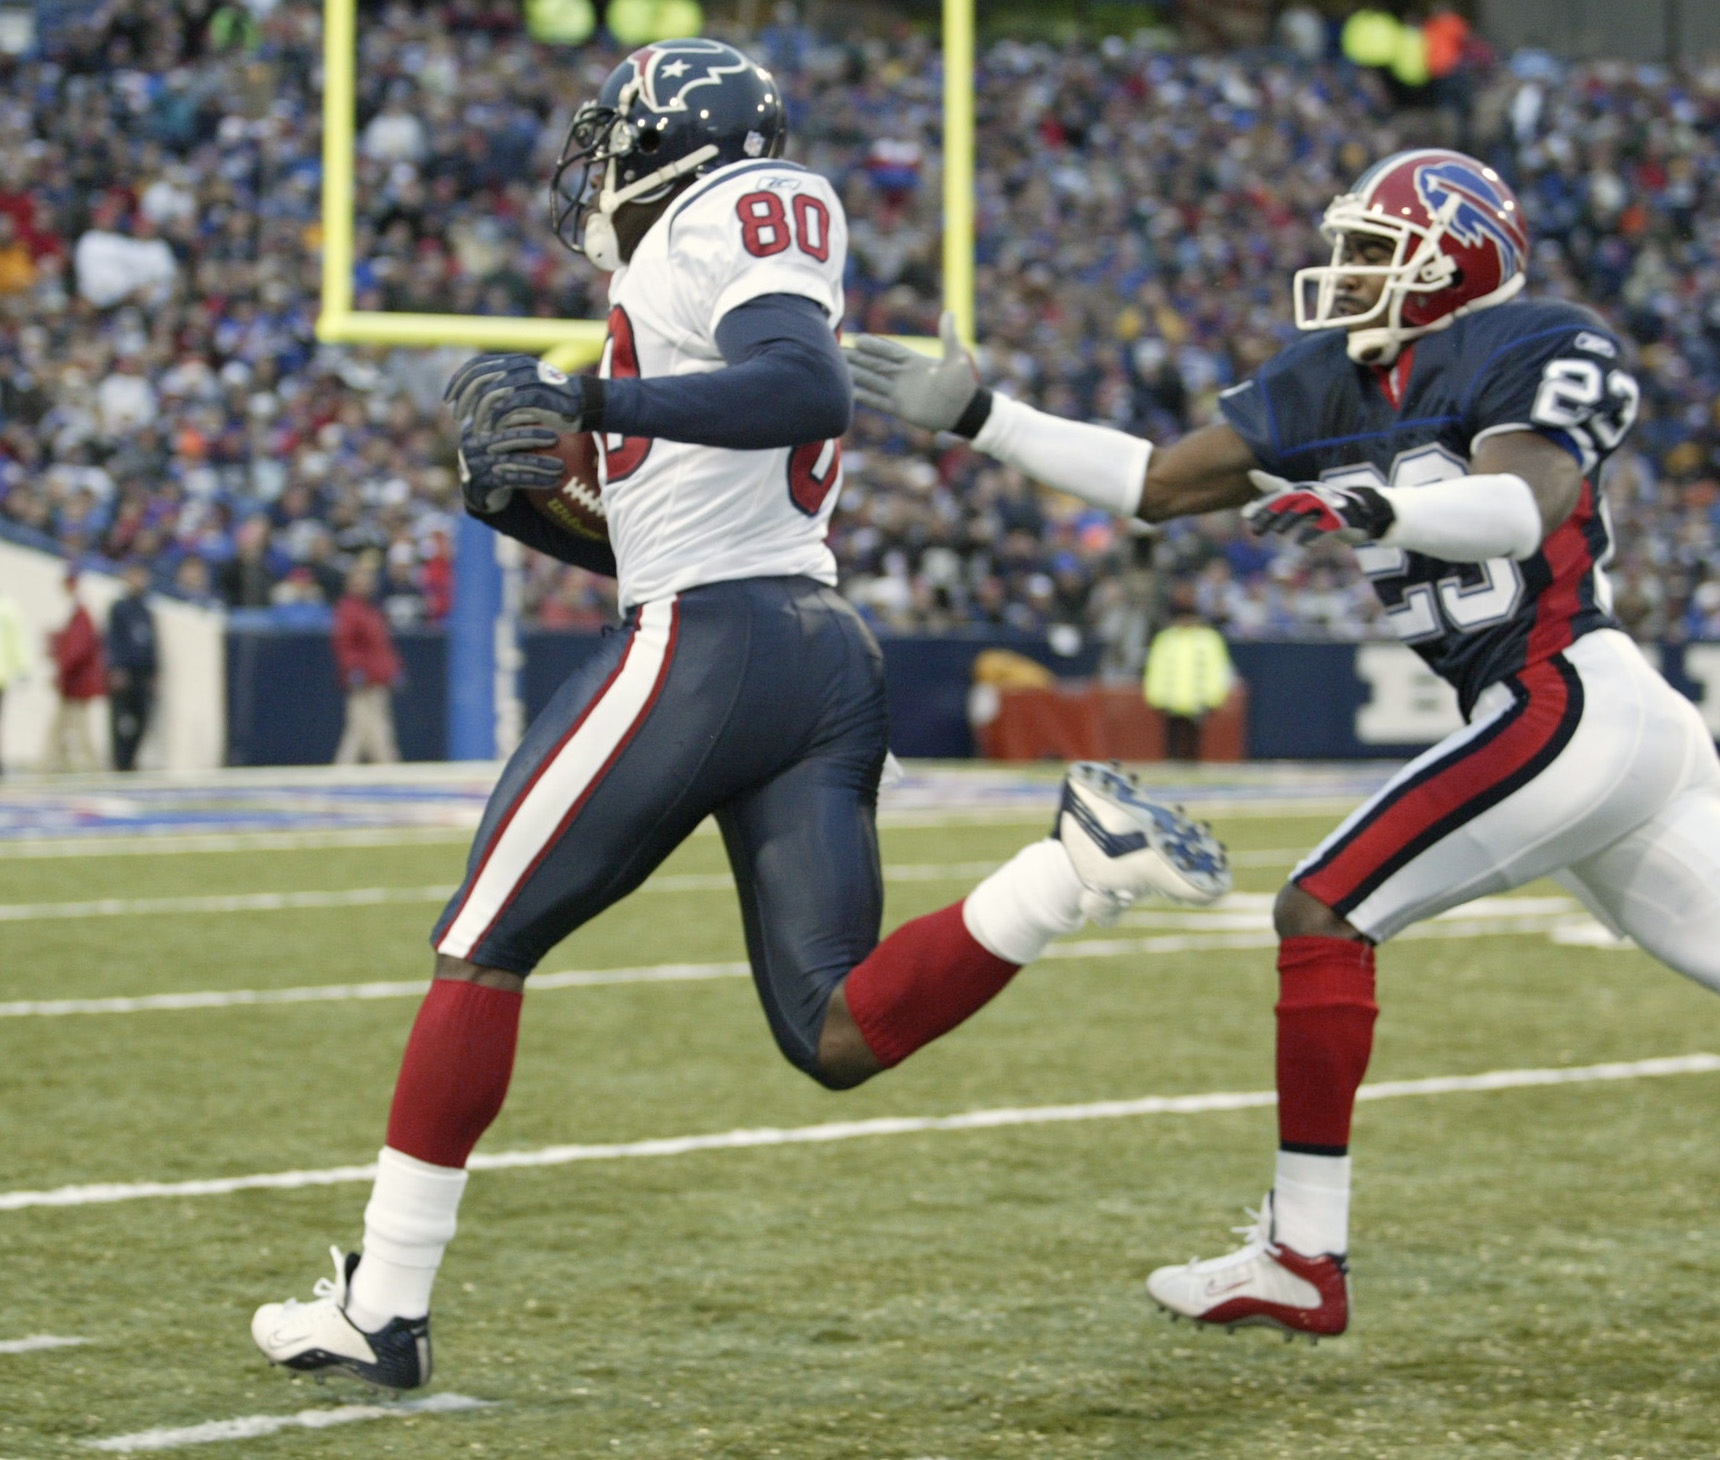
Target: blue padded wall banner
[472,641]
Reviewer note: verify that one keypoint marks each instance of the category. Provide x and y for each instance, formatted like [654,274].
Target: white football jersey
[681,515]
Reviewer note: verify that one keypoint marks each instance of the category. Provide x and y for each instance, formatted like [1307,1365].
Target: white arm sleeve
[1467,519]
[1095,463]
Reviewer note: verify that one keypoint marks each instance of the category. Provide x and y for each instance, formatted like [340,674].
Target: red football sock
[1326,1014]
[455,1073]
[922,981]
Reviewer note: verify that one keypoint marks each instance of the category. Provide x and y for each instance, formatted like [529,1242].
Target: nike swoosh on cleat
[1213,1290]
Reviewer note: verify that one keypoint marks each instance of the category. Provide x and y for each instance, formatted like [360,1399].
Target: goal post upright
[959,164]
[575,343]
[482,671]
[340,62]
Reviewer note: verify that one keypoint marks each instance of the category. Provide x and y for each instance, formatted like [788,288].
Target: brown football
[576,506]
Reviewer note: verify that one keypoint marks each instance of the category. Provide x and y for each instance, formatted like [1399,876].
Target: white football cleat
[318,1338]
[1125,847]
[1261,1284]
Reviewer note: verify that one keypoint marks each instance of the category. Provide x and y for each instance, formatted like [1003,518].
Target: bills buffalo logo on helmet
[668,72]
[1475,220]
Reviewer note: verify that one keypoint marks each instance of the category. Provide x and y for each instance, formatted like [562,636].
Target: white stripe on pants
[535,820]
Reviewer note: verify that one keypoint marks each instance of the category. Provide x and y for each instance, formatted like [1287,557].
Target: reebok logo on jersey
[1595,344]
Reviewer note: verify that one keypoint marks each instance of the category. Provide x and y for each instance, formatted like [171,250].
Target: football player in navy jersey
[1453,432]
[742,687]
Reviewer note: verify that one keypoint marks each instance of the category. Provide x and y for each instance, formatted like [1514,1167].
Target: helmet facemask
[600,142]
[1419,267]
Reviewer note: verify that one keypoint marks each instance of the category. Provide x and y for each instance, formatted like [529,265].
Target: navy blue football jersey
[1313,414]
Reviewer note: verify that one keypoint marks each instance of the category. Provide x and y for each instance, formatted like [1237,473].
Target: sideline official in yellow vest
[1188,674]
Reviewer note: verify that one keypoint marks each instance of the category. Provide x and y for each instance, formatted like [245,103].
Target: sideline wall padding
[1306,701]
[189,728]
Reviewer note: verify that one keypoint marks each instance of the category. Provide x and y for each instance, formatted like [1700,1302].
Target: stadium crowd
[162,396]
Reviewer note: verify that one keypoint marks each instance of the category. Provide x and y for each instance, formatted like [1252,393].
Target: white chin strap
[1381,344]
[597,239]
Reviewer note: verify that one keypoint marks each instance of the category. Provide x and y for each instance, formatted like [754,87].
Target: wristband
[974,417]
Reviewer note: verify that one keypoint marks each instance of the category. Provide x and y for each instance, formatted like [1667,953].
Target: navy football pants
[760,702]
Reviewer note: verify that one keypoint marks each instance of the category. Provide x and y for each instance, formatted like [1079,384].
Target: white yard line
[244,902]
[748,1139]
[238,902]
[36,1342]
[1244,927]
[28,849]
[256,1426]
[357,992]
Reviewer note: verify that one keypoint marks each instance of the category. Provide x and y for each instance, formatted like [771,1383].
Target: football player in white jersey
[743,687]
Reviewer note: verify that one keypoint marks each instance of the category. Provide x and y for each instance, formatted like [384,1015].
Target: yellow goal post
[575,342]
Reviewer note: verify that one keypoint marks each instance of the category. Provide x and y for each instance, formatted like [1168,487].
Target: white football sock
[408,1225]
[1311,1203]
[1028,901]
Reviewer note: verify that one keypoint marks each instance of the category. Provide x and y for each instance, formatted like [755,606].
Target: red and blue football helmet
[1460,243]
[672,109]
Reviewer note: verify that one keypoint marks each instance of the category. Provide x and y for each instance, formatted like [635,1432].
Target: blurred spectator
[131,666]
[191,582]
[1138,211]
[1301,30]
[247,579]
[15,657]
[1188,675]
[17,266]
[79,680]
[369,669]
[113,267]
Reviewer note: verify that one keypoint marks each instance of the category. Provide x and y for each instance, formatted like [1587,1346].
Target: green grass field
[1537,1270]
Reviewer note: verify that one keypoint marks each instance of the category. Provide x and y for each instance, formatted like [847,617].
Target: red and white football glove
[1303,511]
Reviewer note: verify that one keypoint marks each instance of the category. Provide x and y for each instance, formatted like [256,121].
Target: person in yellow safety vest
[560,22]
[1188,673]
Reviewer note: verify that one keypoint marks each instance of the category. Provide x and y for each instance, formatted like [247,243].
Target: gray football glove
[518,390]
[933,394]
[494,465]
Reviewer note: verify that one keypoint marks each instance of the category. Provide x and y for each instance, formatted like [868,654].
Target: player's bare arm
[1554,477]
[1206,471]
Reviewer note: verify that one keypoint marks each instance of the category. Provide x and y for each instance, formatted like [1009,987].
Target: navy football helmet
[671,110]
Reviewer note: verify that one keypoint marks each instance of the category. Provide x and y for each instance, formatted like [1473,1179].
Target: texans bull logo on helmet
[668,71]
[671,111]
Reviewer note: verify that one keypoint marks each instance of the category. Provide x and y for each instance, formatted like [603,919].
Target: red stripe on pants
[1443,795]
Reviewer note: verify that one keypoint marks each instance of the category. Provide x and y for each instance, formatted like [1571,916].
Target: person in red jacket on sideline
[369,669]
[80,676]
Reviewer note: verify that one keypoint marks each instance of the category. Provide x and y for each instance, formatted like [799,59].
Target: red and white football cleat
[1260,1285]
